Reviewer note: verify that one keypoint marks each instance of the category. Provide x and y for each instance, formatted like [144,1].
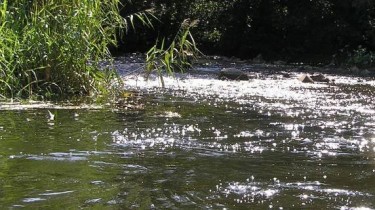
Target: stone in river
[320,78]
[233,74]
[305,79]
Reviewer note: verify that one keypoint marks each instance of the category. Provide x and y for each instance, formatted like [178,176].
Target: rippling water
[200,143]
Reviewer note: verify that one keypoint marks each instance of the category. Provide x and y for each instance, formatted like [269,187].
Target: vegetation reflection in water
[307,146]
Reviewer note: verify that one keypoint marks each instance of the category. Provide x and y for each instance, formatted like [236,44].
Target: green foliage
[53,48]
[175,56]
[293,30]
[209,14]
[362,58]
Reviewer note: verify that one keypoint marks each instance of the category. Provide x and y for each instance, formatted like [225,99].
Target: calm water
[201,143]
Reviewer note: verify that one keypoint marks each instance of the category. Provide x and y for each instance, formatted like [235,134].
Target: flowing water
[200,143]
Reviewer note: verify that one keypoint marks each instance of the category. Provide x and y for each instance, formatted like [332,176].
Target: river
[199,143]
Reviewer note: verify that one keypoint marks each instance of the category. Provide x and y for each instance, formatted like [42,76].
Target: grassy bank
[52,48]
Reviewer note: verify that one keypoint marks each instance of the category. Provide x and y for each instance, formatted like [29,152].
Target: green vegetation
[319,31]
[52,48]
[362,58]
[175,56]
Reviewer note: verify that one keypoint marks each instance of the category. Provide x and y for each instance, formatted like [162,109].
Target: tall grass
[175,55]
[52,48]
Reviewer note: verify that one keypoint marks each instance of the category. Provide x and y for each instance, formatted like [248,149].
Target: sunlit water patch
[272,194]
[315,124]
[200,143]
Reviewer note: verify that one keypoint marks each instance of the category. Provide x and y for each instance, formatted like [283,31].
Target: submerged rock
[285,74]
[305,79]
[320,78]
[365,73]
[313,78]
[233,74]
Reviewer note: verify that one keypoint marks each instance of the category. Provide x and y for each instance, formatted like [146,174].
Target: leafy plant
[54,48]
[173,56]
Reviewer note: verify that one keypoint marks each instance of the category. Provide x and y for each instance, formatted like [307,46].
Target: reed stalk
[175,56]
[53,48]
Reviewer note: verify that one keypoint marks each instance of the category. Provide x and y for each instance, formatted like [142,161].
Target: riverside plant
[53,48]
[175,56]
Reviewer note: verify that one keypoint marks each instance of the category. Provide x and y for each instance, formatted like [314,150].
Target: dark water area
[200,143]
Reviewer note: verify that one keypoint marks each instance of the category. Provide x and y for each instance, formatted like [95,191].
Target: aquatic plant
[175,56]
[53,48]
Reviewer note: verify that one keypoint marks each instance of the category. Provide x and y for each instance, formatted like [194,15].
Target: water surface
[200,143]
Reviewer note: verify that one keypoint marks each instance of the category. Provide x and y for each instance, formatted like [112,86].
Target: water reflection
[201,143]
[301,193]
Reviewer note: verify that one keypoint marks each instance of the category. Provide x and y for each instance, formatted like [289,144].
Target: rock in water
[320,78]
[233,74]
[305,79]
[365,73]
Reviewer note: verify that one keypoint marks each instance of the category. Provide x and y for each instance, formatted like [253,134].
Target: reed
[53,48]
[176,55]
